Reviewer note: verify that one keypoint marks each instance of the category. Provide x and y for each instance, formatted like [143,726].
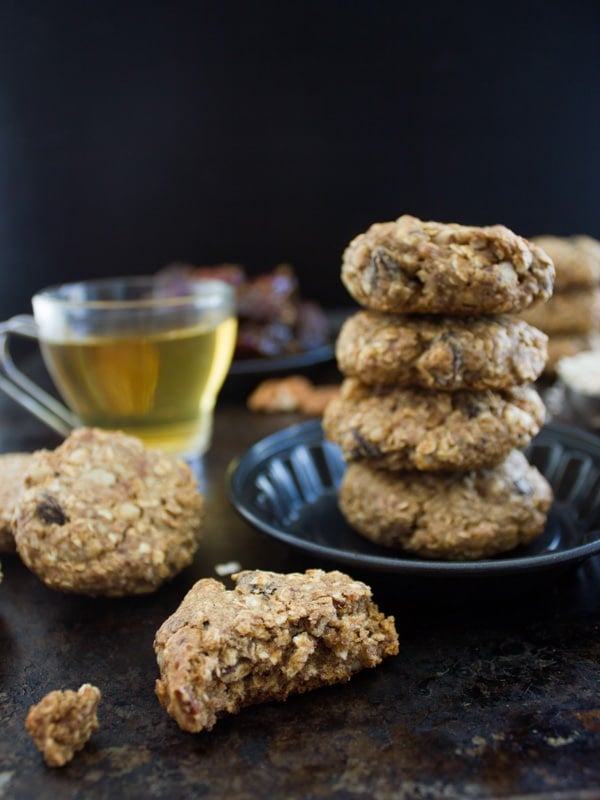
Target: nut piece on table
[63,721]
[293,393]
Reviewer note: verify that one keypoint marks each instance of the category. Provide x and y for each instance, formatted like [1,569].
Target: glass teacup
[146,355]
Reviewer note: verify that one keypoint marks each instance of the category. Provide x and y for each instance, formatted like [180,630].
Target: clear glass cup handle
[22,389]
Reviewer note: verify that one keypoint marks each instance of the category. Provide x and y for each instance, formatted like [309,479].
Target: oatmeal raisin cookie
[574,311]
[576,260]
[445,353]
[457,516]
[410,266]
[402,429]
[272,636]
[103,515]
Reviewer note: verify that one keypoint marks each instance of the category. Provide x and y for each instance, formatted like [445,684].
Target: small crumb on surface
[228,568]
[62,723]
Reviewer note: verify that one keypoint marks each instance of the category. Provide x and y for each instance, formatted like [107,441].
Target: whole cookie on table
[410,266]
[103,515]
[576,259]
[458,516]
[406,428]
[273,635]
[446,353]
[13,467]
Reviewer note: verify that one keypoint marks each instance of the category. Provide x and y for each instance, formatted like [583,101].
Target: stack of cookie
[571,317]
[435,407]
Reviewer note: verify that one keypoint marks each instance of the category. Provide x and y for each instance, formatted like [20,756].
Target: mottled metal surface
[495,692]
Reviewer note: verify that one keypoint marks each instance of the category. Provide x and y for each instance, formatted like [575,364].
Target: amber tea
[136,354]
[160,387]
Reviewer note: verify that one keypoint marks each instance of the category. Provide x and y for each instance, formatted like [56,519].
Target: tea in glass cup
[145,355]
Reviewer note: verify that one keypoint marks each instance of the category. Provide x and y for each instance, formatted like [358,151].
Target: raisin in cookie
[63,721]
[103,515]
[576,260]
[12,471]
[455,517]
[272,636]
[396,428]
[410,266]
[446,353]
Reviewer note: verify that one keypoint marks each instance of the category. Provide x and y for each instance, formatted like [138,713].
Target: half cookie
[272,636]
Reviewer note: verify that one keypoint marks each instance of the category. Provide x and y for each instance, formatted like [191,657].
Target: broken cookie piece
[272,636]
[63,721]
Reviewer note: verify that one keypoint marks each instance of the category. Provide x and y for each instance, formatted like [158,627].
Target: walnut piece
[294,393]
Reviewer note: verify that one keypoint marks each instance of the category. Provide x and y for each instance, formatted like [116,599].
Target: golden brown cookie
[12,470]
[410,266]
[574,311]
[565,345]
[62,723]
[403,429]
[446,353]
[576,260]
[272,636]
[103,515]
[458,516]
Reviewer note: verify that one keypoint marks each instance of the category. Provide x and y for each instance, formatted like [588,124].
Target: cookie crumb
[63,721]
[228,568]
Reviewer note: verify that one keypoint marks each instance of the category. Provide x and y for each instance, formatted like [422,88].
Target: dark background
[133,134]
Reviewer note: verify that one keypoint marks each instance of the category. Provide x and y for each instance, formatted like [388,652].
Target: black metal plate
[286,485]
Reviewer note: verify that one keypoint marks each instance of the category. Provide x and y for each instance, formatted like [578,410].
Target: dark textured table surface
[495,692]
